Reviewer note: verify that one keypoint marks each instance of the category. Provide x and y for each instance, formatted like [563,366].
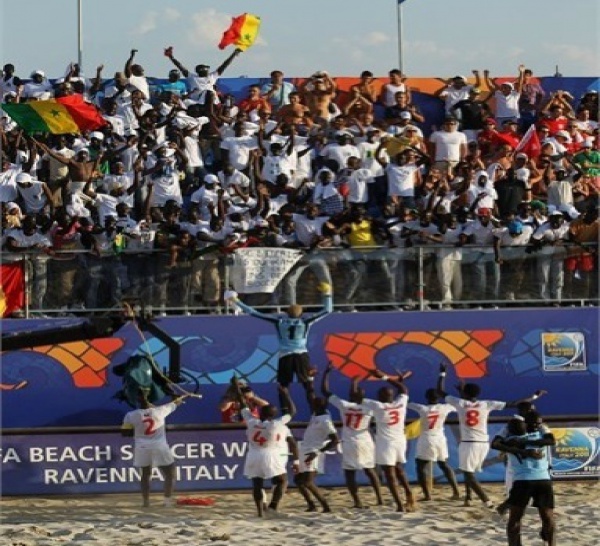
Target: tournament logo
[563,352]
[576,452]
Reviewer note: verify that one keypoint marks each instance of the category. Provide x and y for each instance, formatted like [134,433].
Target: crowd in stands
[192,173]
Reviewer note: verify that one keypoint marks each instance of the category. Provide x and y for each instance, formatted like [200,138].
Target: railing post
[421,291]
[27,278]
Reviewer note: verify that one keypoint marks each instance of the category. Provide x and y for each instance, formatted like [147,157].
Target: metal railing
[367,278]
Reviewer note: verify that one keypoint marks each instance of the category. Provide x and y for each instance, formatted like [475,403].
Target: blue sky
[344,37]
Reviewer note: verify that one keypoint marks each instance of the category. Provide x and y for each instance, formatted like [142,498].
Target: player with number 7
[474,439]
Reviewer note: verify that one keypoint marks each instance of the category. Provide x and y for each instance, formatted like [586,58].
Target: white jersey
[265,435]
[389,416]
[317,433]
[356,418]
[432,417]
[473,417]
[149,425]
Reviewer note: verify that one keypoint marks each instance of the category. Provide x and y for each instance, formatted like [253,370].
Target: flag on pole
[242,33]
[530,143]
[413,430]
[70,114]
[12,288]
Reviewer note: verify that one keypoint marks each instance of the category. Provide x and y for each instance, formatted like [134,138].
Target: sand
[119,520]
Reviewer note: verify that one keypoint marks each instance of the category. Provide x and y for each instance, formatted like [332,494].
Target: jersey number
[472,418]
[292,331]
[149,422]
[432,419]
[394,417]
[353,420]
[261,440]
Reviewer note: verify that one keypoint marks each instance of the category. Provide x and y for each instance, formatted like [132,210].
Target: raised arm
[228,61]
[169,55]
[129,62]
[325,381]
[533,397]
[397,382]
[441,382]
[493,86]
[232,297]
[521,78]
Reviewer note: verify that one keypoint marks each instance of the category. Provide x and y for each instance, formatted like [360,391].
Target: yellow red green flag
[242,33]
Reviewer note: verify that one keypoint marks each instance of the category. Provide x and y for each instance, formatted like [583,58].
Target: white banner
[261,269]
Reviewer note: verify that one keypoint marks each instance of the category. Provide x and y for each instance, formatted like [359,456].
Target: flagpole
[79,37]
[400,35]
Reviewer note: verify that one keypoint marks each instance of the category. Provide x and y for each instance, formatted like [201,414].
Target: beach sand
[119,520]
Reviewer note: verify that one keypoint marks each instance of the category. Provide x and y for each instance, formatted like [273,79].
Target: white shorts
[390,452]
[432,448]
[152,456]
[264,464]
[316,465]
[471,455]
[358,454]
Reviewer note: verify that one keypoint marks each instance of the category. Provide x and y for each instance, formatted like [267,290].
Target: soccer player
[531,471]
[147,426]
[358,447]
[292,331]
[432,445]
[264,459]
[474,440]
[320,436]
[389,411]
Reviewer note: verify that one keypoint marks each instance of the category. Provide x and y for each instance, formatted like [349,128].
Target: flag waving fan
[242,33]
[530,143]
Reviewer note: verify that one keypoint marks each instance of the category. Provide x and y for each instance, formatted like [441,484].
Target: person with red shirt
[555,120]
[231,409]
[254,102]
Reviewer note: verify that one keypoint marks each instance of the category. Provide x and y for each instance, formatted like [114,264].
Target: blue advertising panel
[509,353]
[211,460]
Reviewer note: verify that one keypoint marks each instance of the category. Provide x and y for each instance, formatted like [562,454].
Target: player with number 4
[389,411]
[292,332]
[474,439]
[151,450]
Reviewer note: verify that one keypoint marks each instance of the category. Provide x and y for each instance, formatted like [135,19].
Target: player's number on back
[259,439]
[353,420]
[150,426]
[292,331]
[394,417]
[432,419]
[472,418]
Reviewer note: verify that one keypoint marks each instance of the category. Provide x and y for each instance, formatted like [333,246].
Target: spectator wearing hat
[487,138]
[455,90]
[39,88]
[549,241]
[510,244]
[472,113]
[402,111]
[34,195]
[507,96]
[531,101]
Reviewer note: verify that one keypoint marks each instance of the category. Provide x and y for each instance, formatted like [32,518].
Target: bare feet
[425,499]
[467,502]
[455,497]
[410,504]
[311,508]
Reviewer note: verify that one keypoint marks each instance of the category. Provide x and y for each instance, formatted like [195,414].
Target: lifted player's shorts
[152,456]
[358,453]
[432,448]
[390,452]
[522,491]
[471,456]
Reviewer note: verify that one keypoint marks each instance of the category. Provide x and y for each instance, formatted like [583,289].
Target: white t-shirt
[8,183]
[33,197]
[473,417]
[507,106]
[39,91]
[265,435]
[448,145]
[401,179]
[149,425]
[199,85]
[307,228]
[389,416]
[356,418]
[317,433]
[451,95]
[141,83]
[239,150]
[367,156]
[358,185]
[340,154]
[274,165]
[432,417]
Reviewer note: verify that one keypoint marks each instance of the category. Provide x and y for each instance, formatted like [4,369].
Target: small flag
[242,33]
[12,288]
[70,114]
[530,143]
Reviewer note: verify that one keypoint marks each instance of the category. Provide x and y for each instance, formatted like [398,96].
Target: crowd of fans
[182,174]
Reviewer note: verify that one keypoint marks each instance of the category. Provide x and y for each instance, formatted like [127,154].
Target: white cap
[97,134]
[521,156]
[39,72]
[211,179]
[23,178]
[508,84]
[564,134]
[405,115]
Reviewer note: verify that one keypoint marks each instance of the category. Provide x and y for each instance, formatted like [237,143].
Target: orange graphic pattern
[86,361]
[354,354]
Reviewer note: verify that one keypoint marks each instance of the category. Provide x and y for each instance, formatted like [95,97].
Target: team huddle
[270,442]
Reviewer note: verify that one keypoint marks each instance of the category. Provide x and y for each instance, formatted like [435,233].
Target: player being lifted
[358,447]
[292,331]
[432,445]
[264,459]
[389,411]
[474,440]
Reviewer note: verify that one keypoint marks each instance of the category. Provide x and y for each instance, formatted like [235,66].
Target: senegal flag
[69,114]
[242,33]
[413,430]
[12,288]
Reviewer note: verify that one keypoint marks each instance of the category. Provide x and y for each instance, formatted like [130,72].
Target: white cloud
[207,28]
[171,14]
[376,38]
[147,23]
[564,54]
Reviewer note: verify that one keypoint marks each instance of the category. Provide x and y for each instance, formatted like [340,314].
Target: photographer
[230,407]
